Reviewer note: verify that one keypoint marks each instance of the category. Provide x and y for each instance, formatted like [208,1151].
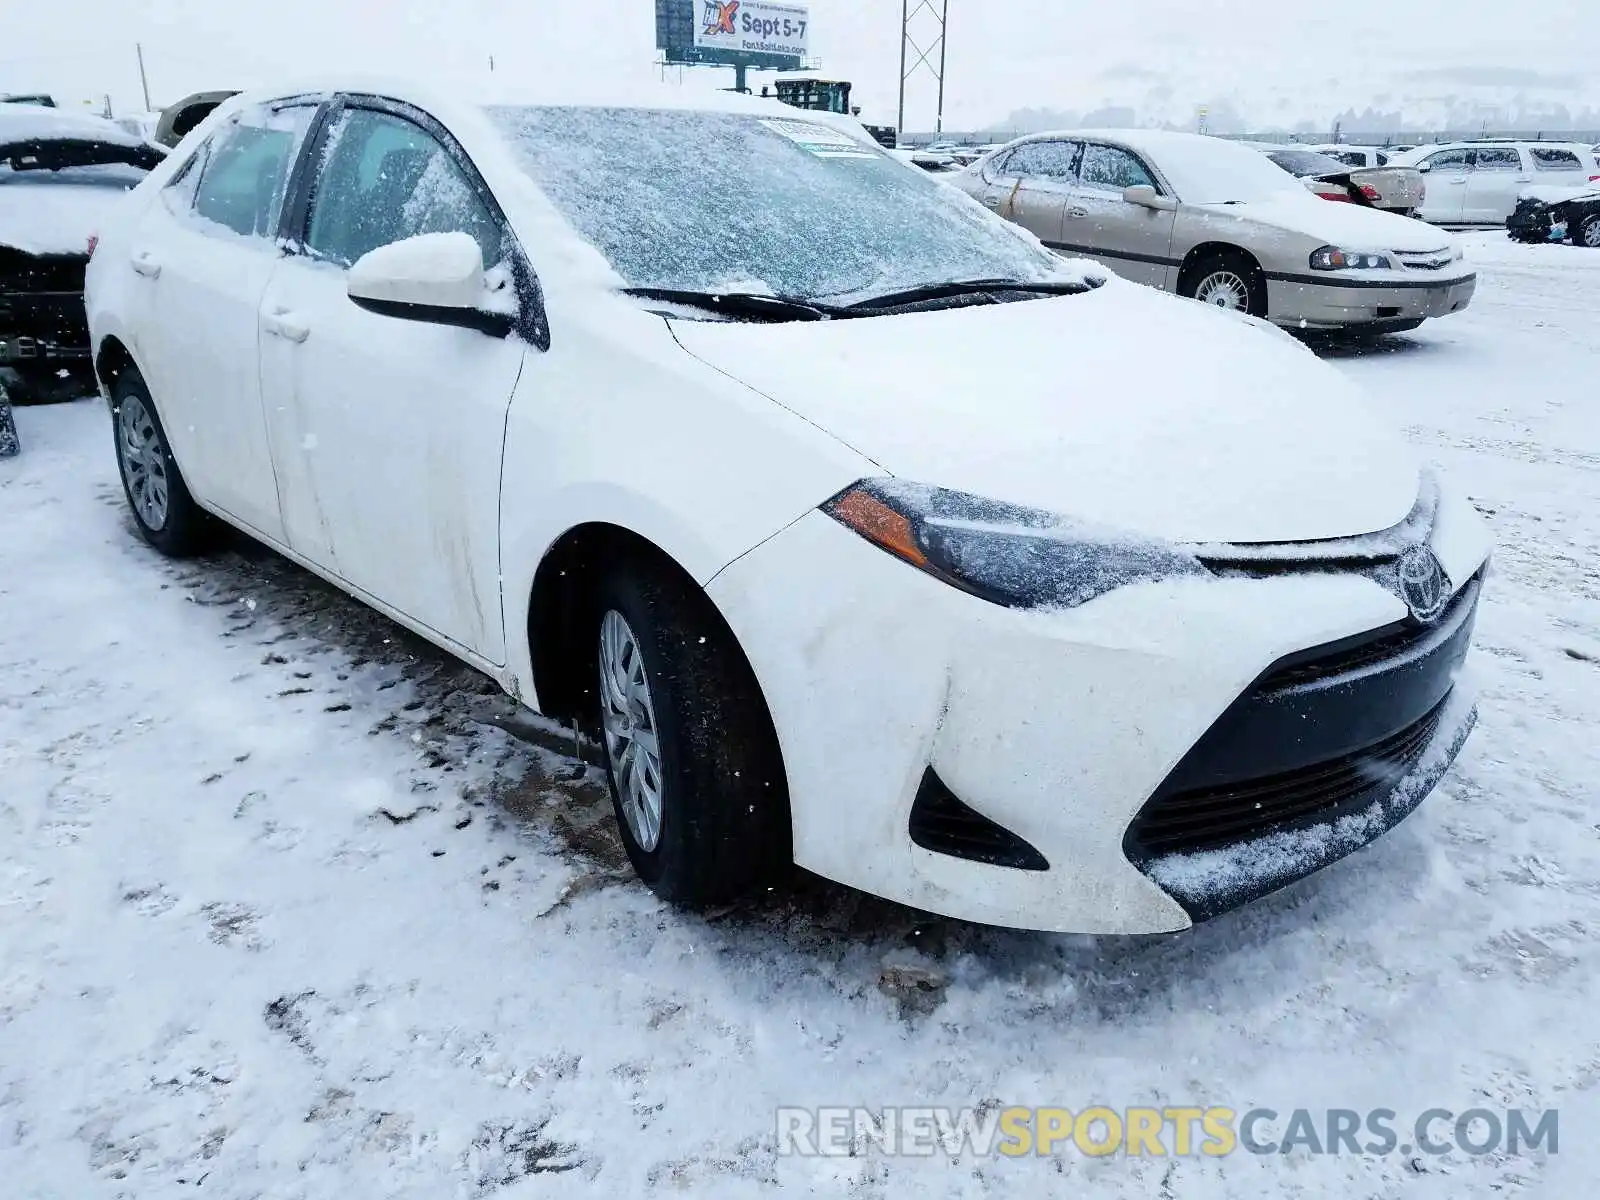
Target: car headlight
[1016,557]
[1331,258]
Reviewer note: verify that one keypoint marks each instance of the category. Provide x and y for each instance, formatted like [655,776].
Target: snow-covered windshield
[708,201]
[1206,170]
[1307,162]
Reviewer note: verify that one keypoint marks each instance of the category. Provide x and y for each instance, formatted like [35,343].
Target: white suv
[1477,183]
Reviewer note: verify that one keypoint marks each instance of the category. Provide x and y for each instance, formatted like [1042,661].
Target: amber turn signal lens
[878,523]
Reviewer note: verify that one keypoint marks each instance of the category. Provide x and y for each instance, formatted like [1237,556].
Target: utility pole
[940,16]
[144,81]
[905,22]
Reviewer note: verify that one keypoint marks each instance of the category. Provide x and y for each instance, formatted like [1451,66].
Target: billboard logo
[719,17]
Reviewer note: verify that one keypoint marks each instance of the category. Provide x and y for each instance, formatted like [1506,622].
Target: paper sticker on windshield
[819,139]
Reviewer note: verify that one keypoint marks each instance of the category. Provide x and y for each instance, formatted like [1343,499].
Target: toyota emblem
[1423,584]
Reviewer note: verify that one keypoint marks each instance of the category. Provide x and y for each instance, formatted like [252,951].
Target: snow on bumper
[1213,881]
[1305,301]
[1057,726]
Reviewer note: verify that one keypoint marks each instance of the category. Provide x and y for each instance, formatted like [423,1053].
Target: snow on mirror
[435,270]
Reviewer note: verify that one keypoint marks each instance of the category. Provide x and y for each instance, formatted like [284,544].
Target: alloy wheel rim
[1225,289]
[144,465]
[628,717]
[1591,233]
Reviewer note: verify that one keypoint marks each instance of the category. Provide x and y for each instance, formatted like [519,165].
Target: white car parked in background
[865,532]
[1478,183]
[1356,156]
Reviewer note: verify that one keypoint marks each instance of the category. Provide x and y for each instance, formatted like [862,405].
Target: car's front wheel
[1588,232]
[165,512]
[696,776]
[1227,279]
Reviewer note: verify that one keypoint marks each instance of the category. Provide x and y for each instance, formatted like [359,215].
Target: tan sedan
[1219,222]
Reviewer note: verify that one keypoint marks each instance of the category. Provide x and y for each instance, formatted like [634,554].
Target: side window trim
[300,172]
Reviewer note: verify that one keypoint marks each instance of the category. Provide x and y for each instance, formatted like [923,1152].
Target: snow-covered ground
[284,913]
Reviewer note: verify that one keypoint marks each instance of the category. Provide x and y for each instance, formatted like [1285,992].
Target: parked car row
[877,538]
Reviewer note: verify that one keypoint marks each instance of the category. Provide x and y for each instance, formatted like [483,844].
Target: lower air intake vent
[944,825]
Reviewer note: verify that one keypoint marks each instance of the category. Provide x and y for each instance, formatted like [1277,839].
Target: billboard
[732,33]
[753,27]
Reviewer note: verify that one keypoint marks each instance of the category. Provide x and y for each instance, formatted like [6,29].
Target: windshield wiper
[748,305]
[958,288]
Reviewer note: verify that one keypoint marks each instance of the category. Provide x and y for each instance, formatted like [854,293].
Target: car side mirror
[1425,167]
[433,277]
[1146,196]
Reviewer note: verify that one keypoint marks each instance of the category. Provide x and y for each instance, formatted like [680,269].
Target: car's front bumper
[1312,302]
[1060,728]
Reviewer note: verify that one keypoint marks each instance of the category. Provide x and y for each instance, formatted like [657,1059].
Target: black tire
[1587,232]
[724,827]
[185,529]
[1236,262]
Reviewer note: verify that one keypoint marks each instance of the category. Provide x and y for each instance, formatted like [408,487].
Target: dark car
[60,175]
[1557,215]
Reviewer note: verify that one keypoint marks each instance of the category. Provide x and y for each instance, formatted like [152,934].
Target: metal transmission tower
[938,18]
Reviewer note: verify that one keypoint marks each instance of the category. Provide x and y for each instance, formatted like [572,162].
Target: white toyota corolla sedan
[866,533]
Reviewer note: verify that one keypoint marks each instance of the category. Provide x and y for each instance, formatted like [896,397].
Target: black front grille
[1321,733]
[1379,645]
[1210,818]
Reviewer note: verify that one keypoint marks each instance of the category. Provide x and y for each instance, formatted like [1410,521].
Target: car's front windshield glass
[702,201]
[1207,170]
[1307,162]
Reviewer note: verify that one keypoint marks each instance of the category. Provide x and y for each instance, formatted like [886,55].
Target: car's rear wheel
[696,775]
[1588,232]
[165,512]
[1227,279]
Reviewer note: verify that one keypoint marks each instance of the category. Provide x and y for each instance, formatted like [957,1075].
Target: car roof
[685,97]
[1146,141]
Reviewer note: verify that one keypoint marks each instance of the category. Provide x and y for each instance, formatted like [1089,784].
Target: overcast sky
[1275,61]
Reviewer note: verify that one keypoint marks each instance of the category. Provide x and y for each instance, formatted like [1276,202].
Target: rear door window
[1497,158]
[245,170]
[1055,161]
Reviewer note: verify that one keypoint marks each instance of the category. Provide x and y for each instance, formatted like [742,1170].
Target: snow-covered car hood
[39,217]
[1559,195]
[1122,407]
[1348,226]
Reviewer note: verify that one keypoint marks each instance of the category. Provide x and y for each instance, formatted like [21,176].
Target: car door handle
[146,264]
[282,323]
[1077,212]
